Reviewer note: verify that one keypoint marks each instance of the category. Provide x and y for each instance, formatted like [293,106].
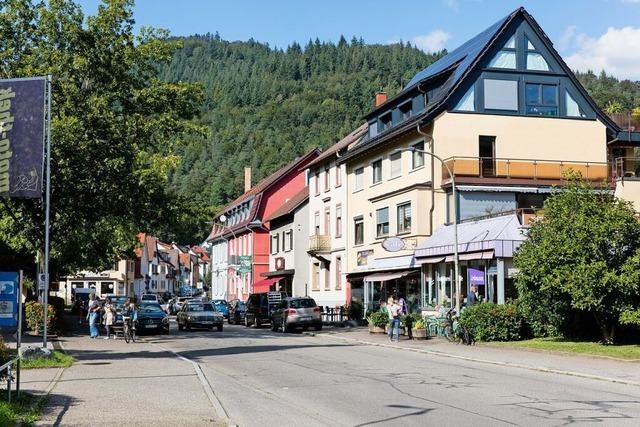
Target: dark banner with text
[22,130]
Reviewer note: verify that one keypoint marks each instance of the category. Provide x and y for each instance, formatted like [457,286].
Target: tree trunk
[607,334]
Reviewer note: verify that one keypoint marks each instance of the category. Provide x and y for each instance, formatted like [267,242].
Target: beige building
[510,120]
[119,280]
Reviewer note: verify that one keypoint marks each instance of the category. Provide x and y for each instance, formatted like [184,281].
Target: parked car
[149,298]
[199,315]
[152,319]
[296,312]
[237,308]
[222,306]
[177,305]
[260,306]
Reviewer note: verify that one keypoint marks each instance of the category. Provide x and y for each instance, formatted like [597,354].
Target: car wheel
[230,320]
[188,326]
[180,327]
[274,326]
[220,328]
[318,327]
[256,323]
[246,322]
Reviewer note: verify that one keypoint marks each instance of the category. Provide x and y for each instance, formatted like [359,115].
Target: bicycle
[453,331]
[128,330]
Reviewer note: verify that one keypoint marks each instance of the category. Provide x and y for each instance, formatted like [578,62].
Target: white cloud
[615,51]
[432,42]
[568,37]
[453,4]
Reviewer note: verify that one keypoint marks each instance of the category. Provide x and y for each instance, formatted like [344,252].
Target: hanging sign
[393,244]
[22,130]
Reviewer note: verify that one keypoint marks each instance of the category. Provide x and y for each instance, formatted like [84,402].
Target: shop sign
[476,277]
[363,257]
[393,244]
[244,264]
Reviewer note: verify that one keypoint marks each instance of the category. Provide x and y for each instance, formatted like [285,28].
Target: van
[260,307]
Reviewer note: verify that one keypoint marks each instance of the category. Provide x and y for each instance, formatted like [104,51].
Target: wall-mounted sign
[9,285]
[280,263]
[244,263]
[476,277]
[363,257]
[393,244]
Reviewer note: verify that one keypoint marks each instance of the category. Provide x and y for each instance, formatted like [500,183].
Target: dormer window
[506,57]
[535,60]
[405,110]
[385,122]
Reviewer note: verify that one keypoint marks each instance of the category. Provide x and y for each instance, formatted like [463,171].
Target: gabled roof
[290,205]
[455,67]
[340,145]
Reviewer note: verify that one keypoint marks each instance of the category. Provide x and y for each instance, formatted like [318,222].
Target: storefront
[280,281]
[485,251]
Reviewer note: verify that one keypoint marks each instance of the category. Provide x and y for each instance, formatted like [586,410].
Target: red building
[241,236]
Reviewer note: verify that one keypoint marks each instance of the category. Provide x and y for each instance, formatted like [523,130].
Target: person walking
[394,319]
[109,317]
[93,308]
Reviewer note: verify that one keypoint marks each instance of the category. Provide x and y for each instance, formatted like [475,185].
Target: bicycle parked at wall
[453,331]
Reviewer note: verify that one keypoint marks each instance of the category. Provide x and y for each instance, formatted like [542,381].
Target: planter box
[419,334]
[376,330]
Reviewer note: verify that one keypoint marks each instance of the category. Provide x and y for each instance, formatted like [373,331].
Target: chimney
[247,179]
[381,98]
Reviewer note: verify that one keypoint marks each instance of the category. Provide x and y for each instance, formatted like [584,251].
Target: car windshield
[200,307]
[149,298]
[118,301]
[151,309]
[302,303]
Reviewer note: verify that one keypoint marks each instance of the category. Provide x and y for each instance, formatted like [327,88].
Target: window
[338,220]
[359,179]
[382,222]
[316,224]
[501,94]
[404,218]
[467,102]
[327,221]
[326,177]
[338,273]
[154,268]
[315,277]
[405,110]
[506,57]
[385,122]
[542,99]
[327,276]
[396,164]
[287,241]
[316,182]
[275,240]
[535,60]
[377,171]
[338,170]
[417,157]
[358,230]
[573,109]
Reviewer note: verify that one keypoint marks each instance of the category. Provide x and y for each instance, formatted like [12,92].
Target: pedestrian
[404,307]
[472,298]
[109,317]
[129,310]
[93,308]
[394,319]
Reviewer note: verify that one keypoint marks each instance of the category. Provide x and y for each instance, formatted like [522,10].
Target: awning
[383,277]
[471,256]
[264,285]
[432,260]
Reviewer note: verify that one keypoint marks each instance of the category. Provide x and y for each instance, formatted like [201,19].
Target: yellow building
[508,117]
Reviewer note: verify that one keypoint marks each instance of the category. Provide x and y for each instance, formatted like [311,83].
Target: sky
[589,34]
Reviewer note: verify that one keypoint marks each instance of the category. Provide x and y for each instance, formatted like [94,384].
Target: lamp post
[456,257]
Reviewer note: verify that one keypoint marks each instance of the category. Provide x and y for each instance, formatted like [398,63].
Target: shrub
[493,322]
[379,319]
[35,315]
[411,319]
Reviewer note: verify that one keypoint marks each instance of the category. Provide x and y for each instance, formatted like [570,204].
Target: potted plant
[377,322]
[419,330]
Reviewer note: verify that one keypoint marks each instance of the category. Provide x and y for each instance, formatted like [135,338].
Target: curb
[488,362]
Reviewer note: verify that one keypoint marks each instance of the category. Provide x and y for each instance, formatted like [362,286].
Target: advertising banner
[9,288]
[22,131]
[476,277]
[244,263]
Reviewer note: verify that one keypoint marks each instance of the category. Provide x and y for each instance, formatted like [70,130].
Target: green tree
[584,255]
[114,129]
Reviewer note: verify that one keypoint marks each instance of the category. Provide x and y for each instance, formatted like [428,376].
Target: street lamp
[456,257]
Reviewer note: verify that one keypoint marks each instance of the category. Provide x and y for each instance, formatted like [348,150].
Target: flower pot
[376,329]
[419,334]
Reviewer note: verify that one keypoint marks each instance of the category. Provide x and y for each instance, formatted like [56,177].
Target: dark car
[199,315]
[222,306]
[152,319]
[237,308]
[296,312]
[260,306]
[118,302]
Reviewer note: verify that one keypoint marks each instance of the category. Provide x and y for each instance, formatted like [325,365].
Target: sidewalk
[567,364]
[120,384]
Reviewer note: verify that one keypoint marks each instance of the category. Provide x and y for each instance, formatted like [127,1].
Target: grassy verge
[24,411]
[58,359]
[624,351]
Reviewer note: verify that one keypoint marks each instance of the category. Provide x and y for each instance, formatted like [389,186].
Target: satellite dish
[223,218]
[393,244]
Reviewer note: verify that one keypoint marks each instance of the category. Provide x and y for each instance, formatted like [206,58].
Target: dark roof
[290,205]
[454,68]
[343,143]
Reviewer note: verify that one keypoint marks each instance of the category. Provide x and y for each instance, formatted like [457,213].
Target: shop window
[358,230]
[500,94]
[404,218]
[382,222]
[417,156]
[377,171]
[541,99]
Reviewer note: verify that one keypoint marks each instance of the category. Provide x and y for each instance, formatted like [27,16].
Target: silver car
[296,312]
[195,314]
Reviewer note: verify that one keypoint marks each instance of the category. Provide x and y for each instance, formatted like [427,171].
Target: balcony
[497,170]
[320,243]
[626,175]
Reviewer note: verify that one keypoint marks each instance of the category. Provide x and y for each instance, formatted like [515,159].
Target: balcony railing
[490,167]
[626,167]
[320,243]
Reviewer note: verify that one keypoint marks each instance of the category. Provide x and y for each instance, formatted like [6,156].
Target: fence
[8,367]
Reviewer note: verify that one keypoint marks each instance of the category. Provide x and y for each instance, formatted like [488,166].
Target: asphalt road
[267,379]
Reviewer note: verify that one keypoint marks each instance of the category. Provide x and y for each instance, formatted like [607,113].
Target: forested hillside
[266,106]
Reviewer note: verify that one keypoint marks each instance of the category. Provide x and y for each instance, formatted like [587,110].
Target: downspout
[431,149]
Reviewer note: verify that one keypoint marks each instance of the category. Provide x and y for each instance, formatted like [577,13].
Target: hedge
[493,322]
